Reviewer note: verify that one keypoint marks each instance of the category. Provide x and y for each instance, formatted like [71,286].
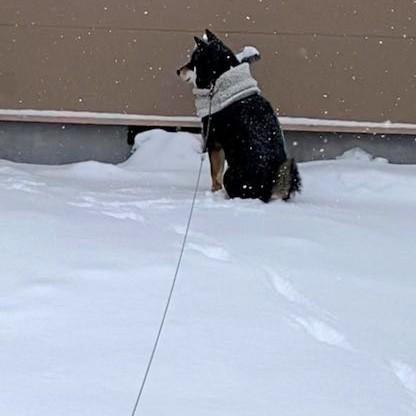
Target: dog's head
[209,60]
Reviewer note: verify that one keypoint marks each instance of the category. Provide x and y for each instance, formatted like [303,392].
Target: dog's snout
[186,74]
[181,70]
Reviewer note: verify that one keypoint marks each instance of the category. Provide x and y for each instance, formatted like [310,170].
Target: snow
[357,153]
[248,52]
[302,308]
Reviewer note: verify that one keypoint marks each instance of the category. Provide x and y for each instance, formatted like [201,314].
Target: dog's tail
[288,181]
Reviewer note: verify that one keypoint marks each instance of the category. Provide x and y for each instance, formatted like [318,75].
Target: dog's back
[250,134]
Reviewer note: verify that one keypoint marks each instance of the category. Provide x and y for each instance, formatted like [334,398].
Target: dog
[240,126]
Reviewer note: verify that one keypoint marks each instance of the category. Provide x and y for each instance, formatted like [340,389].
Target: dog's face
[209,60]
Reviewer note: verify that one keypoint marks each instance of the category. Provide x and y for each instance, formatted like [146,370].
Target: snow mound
[93,170]
[359,154]
[159,150]
[365,180]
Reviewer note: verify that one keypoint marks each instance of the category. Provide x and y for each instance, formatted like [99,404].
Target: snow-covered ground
[291,309]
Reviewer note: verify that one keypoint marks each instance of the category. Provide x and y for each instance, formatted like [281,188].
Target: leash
[211,96]
[179,263]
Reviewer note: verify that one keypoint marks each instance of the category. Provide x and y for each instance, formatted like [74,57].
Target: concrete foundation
[55,144]
[308,146]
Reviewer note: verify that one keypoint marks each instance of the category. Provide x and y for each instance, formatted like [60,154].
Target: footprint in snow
[212,252]
[322,332]
[318,329]
[127,215]
[122,210]
[23,185]
[180,229]
[81,204]
[285,288]
[87,202]
[406,375]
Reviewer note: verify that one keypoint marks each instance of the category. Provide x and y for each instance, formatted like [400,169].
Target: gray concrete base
[308,146]
[55,144]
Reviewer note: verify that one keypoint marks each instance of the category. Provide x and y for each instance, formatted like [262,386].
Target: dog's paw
[216,187]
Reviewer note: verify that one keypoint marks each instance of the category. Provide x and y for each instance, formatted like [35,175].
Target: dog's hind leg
[217,161]
[240,184]
[287,181]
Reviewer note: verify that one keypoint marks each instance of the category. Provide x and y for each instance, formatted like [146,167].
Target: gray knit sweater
[234,85]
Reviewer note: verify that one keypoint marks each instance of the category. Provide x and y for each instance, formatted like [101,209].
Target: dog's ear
[199,42]
[210,36]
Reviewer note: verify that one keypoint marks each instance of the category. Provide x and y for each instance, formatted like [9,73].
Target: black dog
[243,127]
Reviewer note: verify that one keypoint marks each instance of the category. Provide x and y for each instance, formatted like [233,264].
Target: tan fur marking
[217,160]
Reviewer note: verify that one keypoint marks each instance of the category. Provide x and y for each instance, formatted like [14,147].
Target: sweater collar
[234,85]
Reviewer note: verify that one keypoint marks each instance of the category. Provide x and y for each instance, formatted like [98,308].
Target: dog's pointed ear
[210,36]
[199,42]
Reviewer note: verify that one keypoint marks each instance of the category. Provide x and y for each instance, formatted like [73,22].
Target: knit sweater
[234,85]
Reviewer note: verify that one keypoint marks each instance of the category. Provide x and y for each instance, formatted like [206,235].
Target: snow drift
[302,308]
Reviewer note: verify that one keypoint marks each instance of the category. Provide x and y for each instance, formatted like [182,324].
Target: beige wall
[345,59]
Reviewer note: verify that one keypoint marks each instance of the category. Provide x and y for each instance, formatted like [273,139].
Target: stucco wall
[351,60]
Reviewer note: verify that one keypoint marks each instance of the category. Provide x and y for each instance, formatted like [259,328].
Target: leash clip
[211,91]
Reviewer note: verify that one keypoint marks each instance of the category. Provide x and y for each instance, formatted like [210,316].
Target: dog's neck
[232,86]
